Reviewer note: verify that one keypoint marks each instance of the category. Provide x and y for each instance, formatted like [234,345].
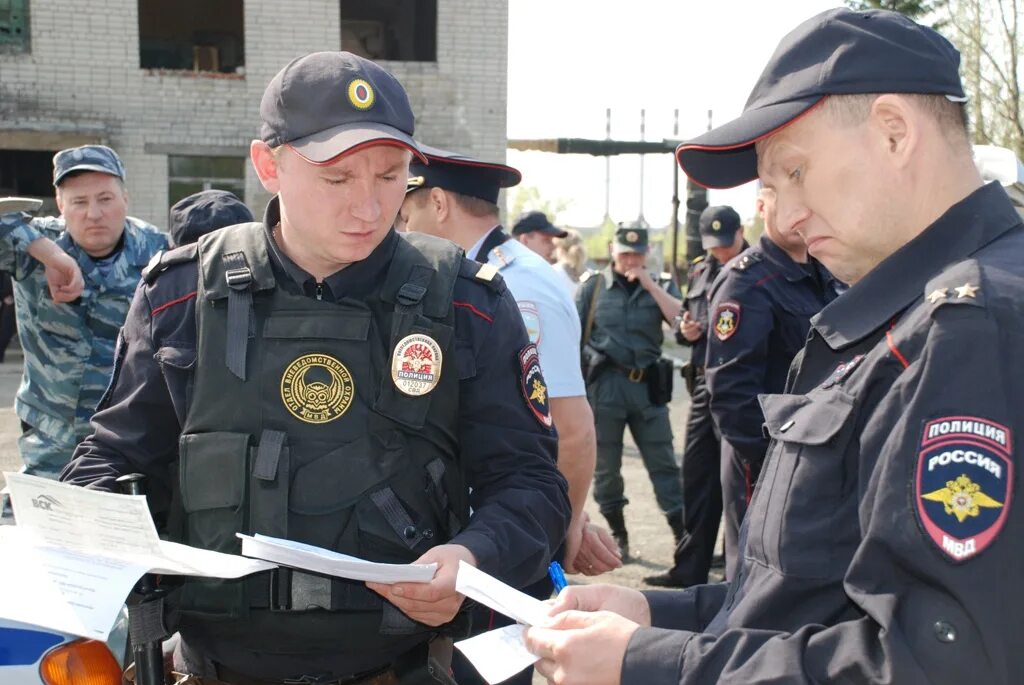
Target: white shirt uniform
[549,313]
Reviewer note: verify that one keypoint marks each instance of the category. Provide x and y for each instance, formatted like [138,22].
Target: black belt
[380,676]
[634,375]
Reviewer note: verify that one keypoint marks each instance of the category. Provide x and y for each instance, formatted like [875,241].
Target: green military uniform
[627,329]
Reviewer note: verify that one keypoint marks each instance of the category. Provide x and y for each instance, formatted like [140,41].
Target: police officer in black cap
[454,197]
[761,309]
[882,544]
[536,231]
[319,377]
[200,213]
[624,307]
[721,233]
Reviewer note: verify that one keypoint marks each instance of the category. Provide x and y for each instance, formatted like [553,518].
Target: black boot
[675,522]
[617,525]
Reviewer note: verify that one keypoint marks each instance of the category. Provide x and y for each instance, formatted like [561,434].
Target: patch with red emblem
[535,390]
[727,320]
[416,364]
[964,483]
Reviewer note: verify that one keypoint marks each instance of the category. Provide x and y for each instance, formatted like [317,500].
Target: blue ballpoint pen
[557,576]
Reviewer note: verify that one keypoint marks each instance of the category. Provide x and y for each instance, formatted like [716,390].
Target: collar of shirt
[792,270]
[474,252]
[899,280]
[356,280]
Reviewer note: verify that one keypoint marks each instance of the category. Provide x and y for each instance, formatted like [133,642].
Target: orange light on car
[82,662]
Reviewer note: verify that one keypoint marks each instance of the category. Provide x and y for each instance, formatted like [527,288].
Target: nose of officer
[365,202]
[790,212]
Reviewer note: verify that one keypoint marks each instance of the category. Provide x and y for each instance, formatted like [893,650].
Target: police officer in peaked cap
[882,543]
[319,377]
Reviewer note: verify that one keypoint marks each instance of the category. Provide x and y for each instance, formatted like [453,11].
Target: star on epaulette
[967,290]
[502,257]
[747,260]
[960,284]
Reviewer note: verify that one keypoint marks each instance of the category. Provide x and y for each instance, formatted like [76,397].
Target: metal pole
[607,167]
[674,269]
[643,121]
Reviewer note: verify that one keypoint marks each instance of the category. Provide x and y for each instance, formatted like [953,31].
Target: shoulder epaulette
[959,284]
[486,274]
[165,259]
[746,260]
[697,259]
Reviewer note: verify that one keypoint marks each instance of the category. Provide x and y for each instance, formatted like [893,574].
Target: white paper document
[75,554]
[320,560]
[61,589]
[499,654]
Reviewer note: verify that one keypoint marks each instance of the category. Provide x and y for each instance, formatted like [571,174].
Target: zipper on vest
[319,291]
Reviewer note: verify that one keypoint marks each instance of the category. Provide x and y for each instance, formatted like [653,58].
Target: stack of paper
[76,554]
[320,560]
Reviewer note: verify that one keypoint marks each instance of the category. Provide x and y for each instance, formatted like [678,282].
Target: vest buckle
[410,294]
[238,278]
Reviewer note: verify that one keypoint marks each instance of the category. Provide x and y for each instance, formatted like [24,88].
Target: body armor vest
[296,429]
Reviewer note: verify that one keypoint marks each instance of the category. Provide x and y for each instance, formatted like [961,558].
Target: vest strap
[240,312]
[397,517]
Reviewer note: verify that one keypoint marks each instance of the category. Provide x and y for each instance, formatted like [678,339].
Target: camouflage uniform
[69,348]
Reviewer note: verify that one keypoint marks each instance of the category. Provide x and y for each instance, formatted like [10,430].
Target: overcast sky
[569,60]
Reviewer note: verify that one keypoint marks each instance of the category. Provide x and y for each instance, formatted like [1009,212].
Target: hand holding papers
[499,654]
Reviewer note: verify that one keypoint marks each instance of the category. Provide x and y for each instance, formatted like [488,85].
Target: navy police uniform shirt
[519,500]
[699,279]
[883,543]
[761,308]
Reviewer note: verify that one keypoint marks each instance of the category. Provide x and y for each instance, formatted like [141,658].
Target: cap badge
[416,364]
[360,94]
[716,225]
[632,237]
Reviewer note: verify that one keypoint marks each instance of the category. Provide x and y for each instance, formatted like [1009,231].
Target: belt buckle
[306,679]
[636,375]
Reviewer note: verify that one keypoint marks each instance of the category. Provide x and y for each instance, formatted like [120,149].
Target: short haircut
[951,116]
[474,206]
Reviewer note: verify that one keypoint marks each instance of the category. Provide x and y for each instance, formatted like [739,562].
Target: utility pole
[696,202]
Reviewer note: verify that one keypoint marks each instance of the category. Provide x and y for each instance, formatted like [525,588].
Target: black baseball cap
[718,226]
[630,239]
[461,174]
[326,104]
[204,212]
[86,158]
[529,222]
[838,52]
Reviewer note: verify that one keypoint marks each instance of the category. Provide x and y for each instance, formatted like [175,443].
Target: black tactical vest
[296,428]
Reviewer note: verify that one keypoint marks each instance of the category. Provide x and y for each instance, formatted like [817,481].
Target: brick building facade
[174,85]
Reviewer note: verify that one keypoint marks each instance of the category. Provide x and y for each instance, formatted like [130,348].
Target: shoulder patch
[959,284]
[727,320]
[165,259]
[535,390]
[531,318]
[963,483]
